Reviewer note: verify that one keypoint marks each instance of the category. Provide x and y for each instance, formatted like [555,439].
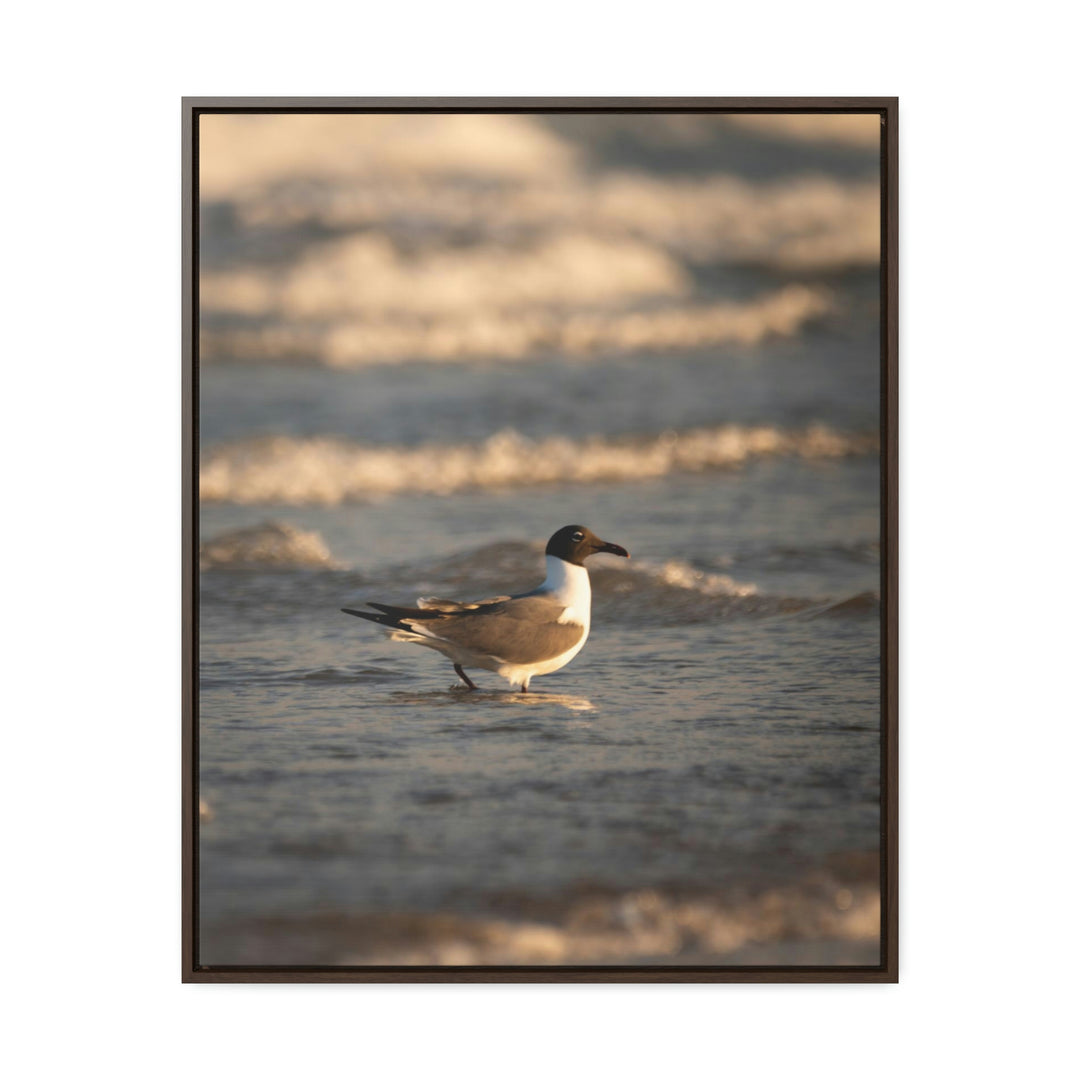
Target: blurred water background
[427,342]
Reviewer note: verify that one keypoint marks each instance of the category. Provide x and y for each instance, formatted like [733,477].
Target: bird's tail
[389,616]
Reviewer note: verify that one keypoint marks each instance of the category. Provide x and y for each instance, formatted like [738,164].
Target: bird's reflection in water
[462,695]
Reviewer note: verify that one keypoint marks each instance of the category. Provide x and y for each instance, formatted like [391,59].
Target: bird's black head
[575,544]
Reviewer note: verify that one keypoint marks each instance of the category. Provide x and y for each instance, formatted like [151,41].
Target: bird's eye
[578,537]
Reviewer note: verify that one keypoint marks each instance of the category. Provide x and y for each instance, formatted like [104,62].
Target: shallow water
[701,784]
[720,728]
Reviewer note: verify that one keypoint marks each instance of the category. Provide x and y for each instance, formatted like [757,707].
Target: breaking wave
[272,544]
[329,471]
[679,574]
[642,591]
[505,178]
[808,222]
[350,240]
[825,918]
[646,590]
[243,153]
[475,333]
[365,275]
[645,923]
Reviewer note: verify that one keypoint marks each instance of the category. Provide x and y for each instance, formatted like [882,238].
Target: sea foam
[509,335]
[323,470]
[823,918]
[797,223]
[644,923]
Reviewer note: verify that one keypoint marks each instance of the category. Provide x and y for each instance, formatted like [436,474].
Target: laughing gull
[517,637]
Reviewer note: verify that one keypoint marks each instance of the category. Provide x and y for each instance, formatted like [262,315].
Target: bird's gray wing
[520,630]
[437,603]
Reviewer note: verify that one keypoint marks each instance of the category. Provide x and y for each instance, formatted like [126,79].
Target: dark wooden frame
[887,971]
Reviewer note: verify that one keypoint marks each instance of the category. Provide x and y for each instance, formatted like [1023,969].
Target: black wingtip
[375,617]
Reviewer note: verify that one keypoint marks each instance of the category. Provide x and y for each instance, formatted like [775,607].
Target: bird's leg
[464,678]
[525,688]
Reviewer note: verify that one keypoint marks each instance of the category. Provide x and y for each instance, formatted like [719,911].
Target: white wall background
[91,460]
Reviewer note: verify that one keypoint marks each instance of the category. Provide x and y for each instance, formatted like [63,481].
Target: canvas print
[539,539]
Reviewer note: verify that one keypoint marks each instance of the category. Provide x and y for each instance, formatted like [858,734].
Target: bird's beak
[612,549]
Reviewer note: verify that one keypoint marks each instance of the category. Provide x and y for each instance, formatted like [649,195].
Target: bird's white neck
[570,585]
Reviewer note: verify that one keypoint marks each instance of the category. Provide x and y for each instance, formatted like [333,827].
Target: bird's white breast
[569,584]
